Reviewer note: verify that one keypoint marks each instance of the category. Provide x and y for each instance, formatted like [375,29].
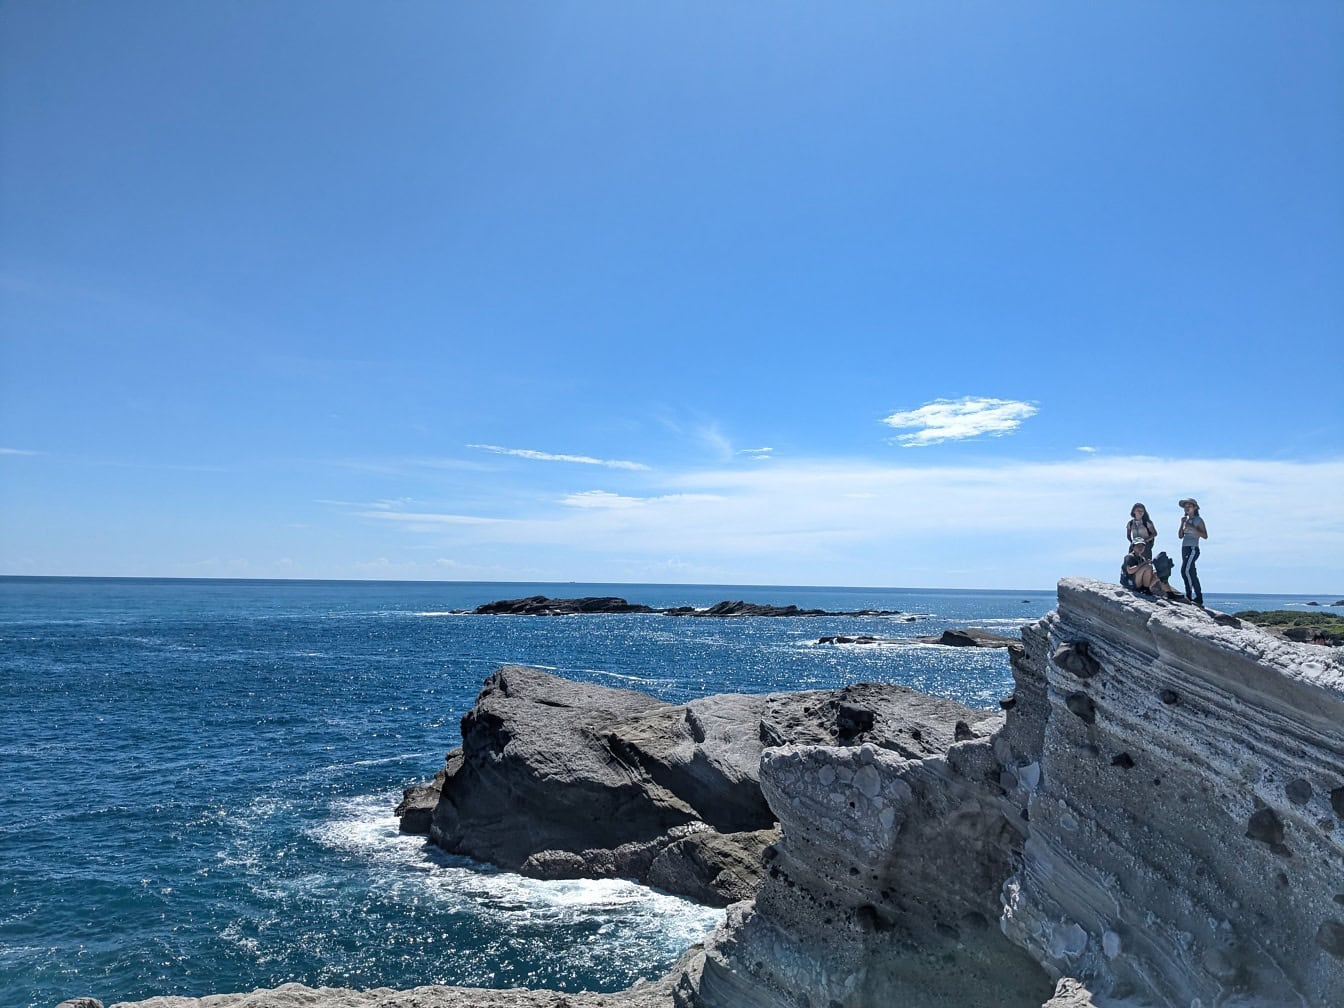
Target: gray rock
[559,779]
[81,1002]
[970,637]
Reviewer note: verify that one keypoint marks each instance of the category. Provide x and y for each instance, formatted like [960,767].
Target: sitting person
[1138,569]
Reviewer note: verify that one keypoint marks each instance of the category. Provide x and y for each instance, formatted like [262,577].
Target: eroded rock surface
[1182,845]
[559,779]
[1160,822]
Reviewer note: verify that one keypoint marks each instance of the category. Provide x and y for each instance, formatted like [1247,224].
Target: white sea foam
[408,869]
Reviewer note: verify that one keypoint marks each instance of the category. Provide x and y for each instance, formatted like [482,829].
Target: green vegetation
[1298,625]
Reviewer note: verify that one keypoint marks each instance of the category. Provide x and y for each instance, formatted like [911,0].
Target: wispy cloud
[541,456]
[1087,448]
[959,419]
[600,499]
[759,454]
[17,451]
[429,518]
[608,500]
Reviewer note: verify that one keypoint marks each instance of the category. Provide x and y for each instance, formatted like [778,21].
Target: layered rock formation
[560,779]
[1160,822]
[1186,842]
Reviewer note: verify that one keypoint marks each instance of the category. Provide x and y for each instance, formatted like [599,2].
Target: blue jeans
[1189,554]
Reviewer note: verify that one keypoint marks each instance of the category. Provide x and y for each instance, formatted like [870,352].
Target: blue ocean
[199,776]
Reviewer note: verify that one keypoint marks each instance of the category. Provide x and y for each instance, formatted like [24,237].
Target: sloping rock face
[1160,822]
[883,890]
[1186,842]
[559,779]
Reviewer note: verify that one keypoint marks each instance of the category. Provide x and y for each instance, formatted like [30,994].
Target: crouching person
[1142,577]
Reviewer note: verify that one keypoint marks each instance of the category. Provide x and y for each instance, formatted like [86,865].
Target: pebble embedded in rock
[868,781]
[1265,826]
[1170,697]
[1110,944]
[1331,938]
[1298,792]
[1076,659]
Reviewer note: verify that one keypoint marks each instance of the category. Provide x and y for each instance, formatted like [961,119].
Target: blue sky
[920,294]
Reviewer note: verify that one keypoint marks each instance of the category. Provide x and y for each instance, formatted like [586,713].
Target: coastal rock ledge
[1159,821]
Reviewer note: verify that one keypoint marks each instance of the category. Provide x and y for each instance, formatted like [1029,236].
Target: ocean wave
[407,868]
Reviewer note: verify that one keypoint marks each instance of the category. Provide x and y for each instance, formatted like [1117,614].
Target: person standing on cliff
[1140,526]
[1192,531]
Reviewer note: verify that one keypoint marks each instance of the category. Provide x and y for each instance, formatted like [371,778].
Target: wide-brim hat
[1187,500]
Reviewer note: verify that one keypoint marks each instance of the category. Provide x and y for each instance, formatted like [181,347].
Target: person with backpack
[1137,573]
[1140,526]
[1192,531]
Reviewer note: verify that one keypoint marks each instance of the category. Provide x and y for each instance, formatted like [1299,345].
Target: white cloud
[426,518]
[600,499]
[541,456]
[17,451]
[1087,448]
[958,419]
[606,499]
[1011,525]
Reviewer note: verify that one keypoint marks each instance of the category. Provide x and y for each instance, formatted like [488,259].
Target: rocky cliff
[1158,822]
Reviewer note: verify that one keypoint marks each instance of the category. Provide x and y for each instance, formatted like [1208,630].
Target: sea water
[197,777]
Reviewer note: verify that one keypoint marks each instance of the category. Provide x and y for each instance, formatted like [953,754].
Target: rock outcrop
[1185,842]
[540,605]
[560,779]
[960,637]
[1160,822]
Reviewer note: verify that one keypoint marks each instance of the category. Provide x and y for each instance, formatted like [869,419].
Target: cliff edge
[1159,822]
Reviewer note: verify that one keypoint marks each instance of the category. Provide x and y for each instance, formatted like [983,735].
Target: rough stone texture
[645,994]
[1069,993]
[1158,823]
[1205,873]
[559,779]
[884,889]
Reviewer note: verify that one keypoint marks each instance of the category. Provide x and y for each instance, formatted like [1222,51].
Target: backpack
[1163,564]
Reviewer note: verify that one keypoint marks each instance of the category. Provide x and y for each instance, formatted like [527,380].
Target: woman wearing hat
[1192,531]
[1141,574]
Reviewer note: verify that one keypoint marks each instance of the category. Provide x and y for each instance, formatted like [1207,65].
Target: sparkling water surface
[199,775]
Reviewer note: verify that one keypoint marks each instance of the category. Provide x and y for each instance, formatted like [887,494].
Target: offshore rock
[541,605]
[970,637]
[560,779]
